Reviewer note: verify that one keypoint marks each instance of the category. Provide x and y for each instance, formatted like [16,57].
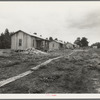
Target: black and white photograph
[49,47]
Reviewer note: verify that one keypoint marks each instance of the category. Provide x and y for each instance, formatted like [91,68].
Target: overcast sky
[63,20]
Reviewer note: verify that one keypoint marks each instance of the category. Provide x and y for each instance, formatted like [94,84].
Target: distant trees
[5,39]
[50,38]
[84,42]
[81,42]
[78,41]
[96,44]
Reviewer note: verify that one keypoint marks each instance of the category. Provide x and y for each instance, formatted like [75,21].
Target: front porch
[42,45]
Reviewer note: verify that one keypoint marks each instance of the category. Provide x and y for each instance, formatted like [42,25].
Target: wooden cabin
[55,45]
[21,40]
[76,46]
[95,47]
[69,45]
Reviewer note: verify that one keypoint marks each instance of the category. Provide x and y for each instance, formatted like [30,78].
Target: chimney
[35,33]
[46,38]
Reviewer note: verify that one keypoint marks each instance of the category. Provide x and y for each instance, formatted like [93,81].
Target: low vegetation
[74,74]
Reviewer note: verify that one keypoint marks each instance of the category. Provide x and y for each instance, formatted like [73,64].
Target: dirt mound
[5,52]
[34,51]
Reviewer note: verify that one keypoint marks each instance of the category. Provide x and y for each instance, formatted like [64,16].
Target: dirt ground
[79,73]
[14,63]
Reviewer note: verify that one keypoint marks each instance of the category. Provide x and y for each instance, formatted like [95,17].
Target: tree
[6,32]
[2,44]
[78,41]
[84,42]
[50,38]
[5,39]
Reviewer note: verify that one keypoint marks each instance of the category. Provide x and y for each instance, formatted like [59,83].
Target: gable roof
[37,36]
[68,43]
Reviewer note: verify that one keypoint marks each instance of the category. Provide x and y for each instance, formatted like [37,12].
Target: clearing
[77,73]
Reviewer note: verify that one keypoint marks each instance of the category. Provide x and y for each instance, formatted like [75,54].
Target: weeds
[66,75]
[12,64]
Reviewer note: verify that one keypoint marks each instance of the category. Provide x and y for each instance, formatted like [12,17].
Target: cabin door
[39,44]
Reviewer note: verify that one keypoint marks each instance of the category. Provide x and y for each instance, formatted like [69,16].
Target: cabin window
[20,42]
[53,45]
[42,43]
[46,43]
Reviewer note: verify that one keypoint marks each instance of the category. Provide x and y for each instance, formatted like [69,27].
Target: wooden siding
[33,42]
[69,46]
[53,45]
[28,41]
[13,44]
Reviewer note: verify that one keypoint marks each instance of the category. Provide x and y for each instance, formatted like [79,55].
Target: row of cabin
[21,40]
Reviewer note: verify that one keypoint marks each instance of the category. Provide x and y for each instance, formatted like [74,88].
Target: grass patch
[66,75]
[51,79]
[12,64]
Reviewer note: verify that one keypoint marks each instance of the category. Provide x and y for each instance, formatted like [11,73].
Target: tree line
[82,42]
[5,39]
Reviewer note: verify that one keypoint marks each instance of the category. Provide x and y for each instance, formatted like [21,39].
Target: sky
[64,20]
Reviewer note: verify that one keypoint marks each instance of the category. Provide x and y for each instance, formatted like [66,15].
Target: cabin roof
[69,43]
[58,41]
[37,36]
